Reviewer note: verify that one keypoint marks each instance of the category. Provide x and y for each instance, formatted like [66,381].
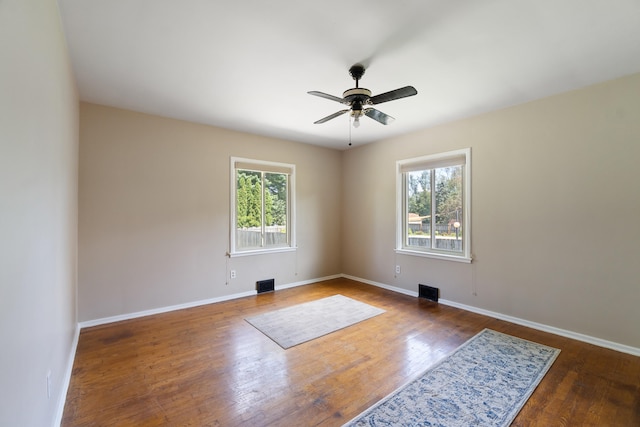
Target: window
[433,199]
[262,208]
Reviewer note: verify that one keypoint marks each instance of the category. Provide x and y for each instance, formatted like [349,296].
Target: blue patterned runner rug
[484,382]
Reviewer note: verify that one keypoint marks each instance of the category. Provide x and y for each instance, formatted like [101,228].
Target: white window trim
[400,214]
[233,252]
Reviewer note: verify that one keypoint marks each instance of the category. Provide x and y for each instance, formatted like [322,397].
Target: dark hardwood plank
[206,366]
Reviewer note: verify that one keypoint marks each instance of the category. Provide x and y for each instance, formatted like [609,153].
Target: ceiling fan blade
[332,116]
[403,92]
[325,95]
[378,116]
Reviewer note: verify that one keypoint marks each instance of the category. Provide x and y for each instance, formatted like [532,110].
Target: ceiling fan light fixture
[356,112]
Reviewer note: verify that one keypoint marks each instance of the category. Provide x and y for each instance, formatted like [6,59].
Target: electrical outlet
[49,385]
[233,274]
[397,269]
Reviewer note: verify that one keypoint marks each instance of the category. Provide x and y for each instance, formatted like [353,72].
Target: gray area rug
[485,382]
[303,322]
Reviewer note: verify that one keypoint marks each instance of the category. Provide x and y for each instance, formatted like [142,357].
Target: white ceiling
[247,64]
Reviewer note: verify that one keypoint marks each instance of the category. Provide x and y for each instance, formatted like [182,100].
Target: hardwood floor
[206,366]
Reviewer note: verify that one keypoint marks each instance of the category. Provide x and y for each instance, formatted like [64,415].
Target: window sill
[434,255]
[262,251]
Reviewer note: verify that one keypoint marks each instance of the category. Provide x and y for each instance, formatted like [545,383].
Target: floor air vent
[428,292]
[265,285]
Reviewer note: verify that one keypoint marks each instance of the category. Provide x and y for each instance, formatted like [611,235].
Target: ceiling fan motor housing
[356,97]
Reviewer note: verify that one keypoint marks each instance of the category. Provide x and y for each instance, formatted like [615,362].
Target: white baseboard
[128,316]
[546,328]
[382,285]
[308,282]
[66,380]
[534,325]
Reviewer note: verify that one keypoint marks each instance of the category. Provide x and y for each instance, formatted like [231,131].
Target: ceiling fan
[359,98]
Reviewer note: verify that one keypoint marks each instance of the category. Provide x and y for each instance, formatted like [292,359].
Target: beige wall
[38,212]
[555,203]
[154,212]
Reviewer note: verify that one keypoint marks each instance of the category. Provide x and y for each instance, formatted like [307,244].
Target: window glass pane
[448,224]
[275,207]
[248,209]
[418,227]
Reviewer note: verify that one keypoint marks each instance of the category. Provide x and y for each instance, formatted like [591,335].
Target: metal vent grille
[265,285]
[428,292]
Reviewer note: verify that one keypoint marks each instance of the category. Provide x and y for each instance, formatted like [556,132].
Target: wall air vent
[265,285]
[428,292]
